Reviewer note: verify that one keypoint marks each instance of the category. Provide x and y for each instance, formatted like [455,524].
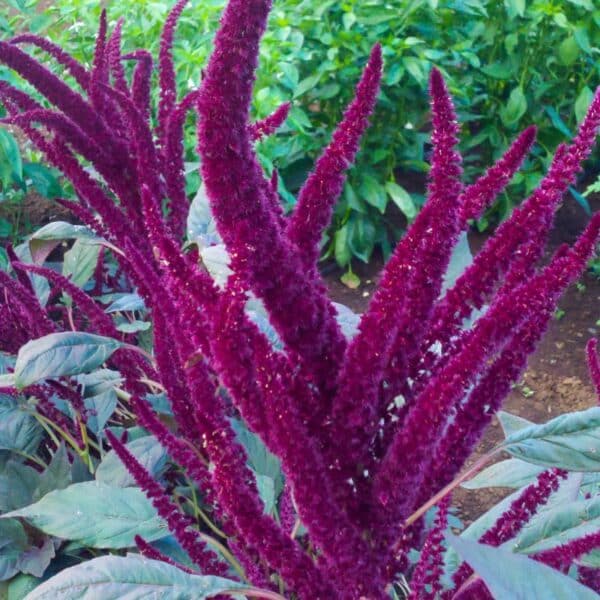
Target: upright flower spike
[321,190]
[477,197]
[79,73]
[409,286]
[532,220]
[166,70]
[113,56]
[236,189]
[140,86]
[429,569]
[508,525]
[179,524]
[270,124]
[408,457]
[591,350]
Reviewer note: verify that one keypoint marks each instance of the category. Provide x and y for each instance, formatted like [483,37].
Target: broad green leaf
[56,476]
[134,326]
[80,262]
[511,473]
[515,8]
[460,259]
[42,179]
[18,483]
[587,4]
[402,200]
[216,260]
[515,108]
[19,430]
[148,452]
[570,441]
[560,525]
[127,303]
[512,423]
[568,51]
[583,102]
[520,578]
[64,353]
[46,238]
[341,249]
[13,543]
[373,192]
[95,514]
[307,84]
[131,577]
[201,225]
[347,319]
[11,163]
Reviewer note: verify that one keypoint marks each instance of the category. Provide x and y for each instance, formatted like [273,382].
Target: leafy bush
[507,64]
[310,444]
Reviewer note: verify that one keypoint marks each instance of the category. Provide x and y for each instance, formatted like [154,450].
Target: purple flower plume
[179,524]
[591,350]
[321,190]
[237,192]
[429,568]
[409,286]
[270,124]
[166,69]
[355,464]
[561,556]
[508,525]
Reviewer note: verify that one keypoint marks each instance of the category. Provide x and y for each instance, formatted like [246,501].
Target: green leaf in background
[583,102]
[148,452]
[13,543]
[511,473]
[44,240]
[568,51]
[42,179]
[201,225]
[512,423]
[373,192]
[11,163]
[557,121]
[19,430]
[581,200]
[56,476]
[18,483]
[127,303]
[515,108]
[80,262]
[570,441]
[307,84]
[341,248]
[520,578]
[131,577]
[562,524]
[64,353]
[402,200]
[515,8]
[96,515]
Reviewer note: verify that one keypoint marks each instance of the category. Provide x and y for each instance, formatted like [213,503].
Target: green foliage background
[509,64]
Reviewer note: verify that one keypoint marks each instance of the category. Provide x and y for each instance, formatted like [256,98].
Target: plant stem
[477,466]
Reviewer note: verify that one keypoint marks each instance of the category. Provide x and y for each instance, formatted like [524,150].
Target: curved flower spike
[324,185]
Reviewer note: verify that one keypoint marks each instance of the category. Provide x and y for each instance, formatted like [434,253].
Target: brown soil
[556,380]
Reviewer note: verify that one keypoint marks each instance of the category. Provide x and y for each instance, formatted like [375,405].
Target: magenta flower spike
[270,124]
[113,56]
[79,73]
[366,428]
[166,70]
[179,524]
[404,299]
[477,197]
[563,555]
[591,350]
[236,188]
[321,190]
[429,568]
